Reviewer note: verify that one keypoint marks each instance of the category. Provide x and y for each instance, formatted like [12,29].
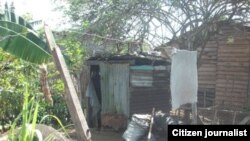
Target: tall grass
[59,122]
[28,117]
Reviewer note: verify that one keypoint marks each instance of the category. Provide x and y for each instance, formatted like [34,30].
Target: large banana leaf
[22,42]
[9,20]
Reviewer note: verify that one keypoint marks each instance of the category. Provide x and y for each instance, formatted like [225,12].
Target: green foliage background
[16,73]
[19,77]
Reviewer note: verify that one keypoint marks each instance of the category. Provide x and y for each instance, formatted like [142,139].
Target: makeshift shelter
[129,84]
[223,74]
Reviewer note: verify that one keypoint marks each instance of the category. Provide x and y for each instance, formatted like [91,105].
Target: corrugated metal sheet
[141,80]
[232,69]
[224,71]
[114,87]
[144,98]
[142,67]
[207,74]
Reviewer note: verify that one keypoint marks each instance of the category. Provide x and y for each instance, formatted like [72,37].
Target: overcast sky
[40,10]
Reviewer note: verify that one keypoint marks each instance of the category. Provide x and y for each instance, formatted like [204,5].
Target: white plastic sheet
[184,78]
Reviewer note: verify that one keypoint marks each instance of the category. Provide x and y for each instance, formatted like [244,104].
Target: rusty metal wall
[114,88]
[232,72]
[149,88]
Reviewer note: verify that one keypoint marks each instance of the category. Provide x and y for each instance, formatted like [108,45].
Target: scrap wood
[71,97]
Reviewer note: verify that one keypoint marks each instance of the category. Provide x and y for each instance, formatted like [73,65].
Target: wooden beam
[194,113]
[72,100]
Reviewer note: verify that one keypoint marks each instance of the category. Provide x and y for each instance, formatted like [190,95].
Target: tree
[158,21]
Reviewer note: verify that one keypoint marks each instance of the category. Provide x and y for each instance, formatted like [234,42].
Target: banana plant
[18,38]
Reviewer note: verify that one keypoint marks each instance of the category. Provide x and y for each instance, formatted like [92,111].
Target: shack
[224,71]
[225,68]
[128,84]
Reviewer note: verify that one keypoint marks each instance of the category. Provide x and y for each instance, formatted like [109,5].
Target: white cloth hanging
[184,78]
[94,102]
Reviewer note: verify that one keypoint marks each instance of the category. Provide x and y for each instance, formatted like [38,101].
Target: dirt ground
[97,135]
[107,135]
[104,135]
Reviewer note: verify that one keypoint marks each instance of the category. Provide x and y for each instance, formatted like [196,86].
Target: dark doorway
[95,77]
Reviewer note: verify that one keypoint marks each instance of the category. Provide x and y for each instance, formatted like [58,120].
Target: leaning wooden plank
[151,125]
[72,100]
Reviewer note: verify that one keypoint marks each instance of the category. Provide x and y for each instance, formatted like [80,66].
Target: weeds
[28,118]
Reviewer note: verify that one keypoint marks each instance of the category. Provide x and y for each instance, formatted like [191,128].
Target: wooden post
[72,100]
[151,125]
[194,113]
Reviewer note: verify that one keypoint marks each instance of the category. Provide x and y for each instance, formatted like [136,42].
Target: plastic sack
[136,129]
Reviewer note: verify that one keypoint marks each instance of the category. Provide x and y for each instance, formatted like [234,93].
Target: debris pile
[137,127]
[114,121]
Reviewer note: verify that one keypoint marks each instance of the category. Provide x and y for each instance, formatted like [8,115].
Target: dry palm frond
[44,83]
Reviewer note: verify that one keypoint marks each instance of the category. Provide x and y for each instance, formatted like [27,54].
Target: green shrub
[15,76]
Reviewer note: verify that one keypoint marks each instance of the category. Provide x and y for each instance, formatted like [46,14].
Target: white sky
[40,10]
[45,10]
